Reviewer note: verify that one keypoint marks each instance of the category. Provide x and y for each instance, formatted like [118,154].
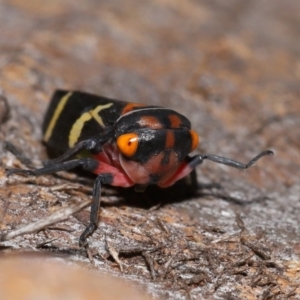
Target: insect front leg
[198,159]
[92,144]
[105,178]
[192,162]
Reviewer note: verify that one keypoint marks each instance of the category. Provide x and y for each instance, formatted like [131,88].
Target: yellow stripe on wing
[56,115]
[96,111]
[77,127]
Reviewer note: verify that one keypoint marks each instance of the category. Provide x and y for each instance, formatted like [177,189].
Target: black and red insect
[123,143]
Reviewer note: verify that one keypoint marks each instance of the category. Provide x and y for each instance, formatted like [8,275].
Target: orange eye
[195,139]
[128,143]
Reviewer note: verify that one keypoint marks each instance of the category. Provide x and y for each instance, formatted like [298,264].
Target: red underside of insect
[126,173]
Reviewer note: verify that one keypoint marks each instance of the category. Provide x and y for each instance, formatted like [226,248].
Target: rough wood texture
[233,68]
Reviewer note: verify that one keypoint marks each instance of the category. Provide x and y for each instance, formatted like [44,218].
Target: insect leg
[198,159]
[89,144]
[88,164]
[105,178]
[192,162]
[18,154]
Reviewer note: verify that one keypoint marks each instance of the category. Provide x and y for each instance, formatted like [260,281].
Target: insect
[123,143]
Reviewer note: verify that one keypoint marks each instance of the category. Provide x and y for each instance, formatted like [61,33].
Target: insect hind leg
[105,178]
[18,154]
[87,164]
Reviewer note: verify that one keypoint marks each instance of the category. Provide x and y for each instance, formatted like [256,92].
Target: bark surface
[233,68]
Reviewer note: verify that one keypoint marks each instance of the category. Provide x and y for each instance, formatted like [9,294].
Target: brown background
[233,68]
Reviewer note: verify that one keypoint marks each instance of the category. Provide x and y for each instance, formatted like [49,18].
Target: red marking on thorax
[175,121]
[170,139]
[150,122]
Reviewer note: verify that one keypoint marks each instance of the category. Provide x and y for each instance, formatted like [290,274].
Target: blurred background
[232,67]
